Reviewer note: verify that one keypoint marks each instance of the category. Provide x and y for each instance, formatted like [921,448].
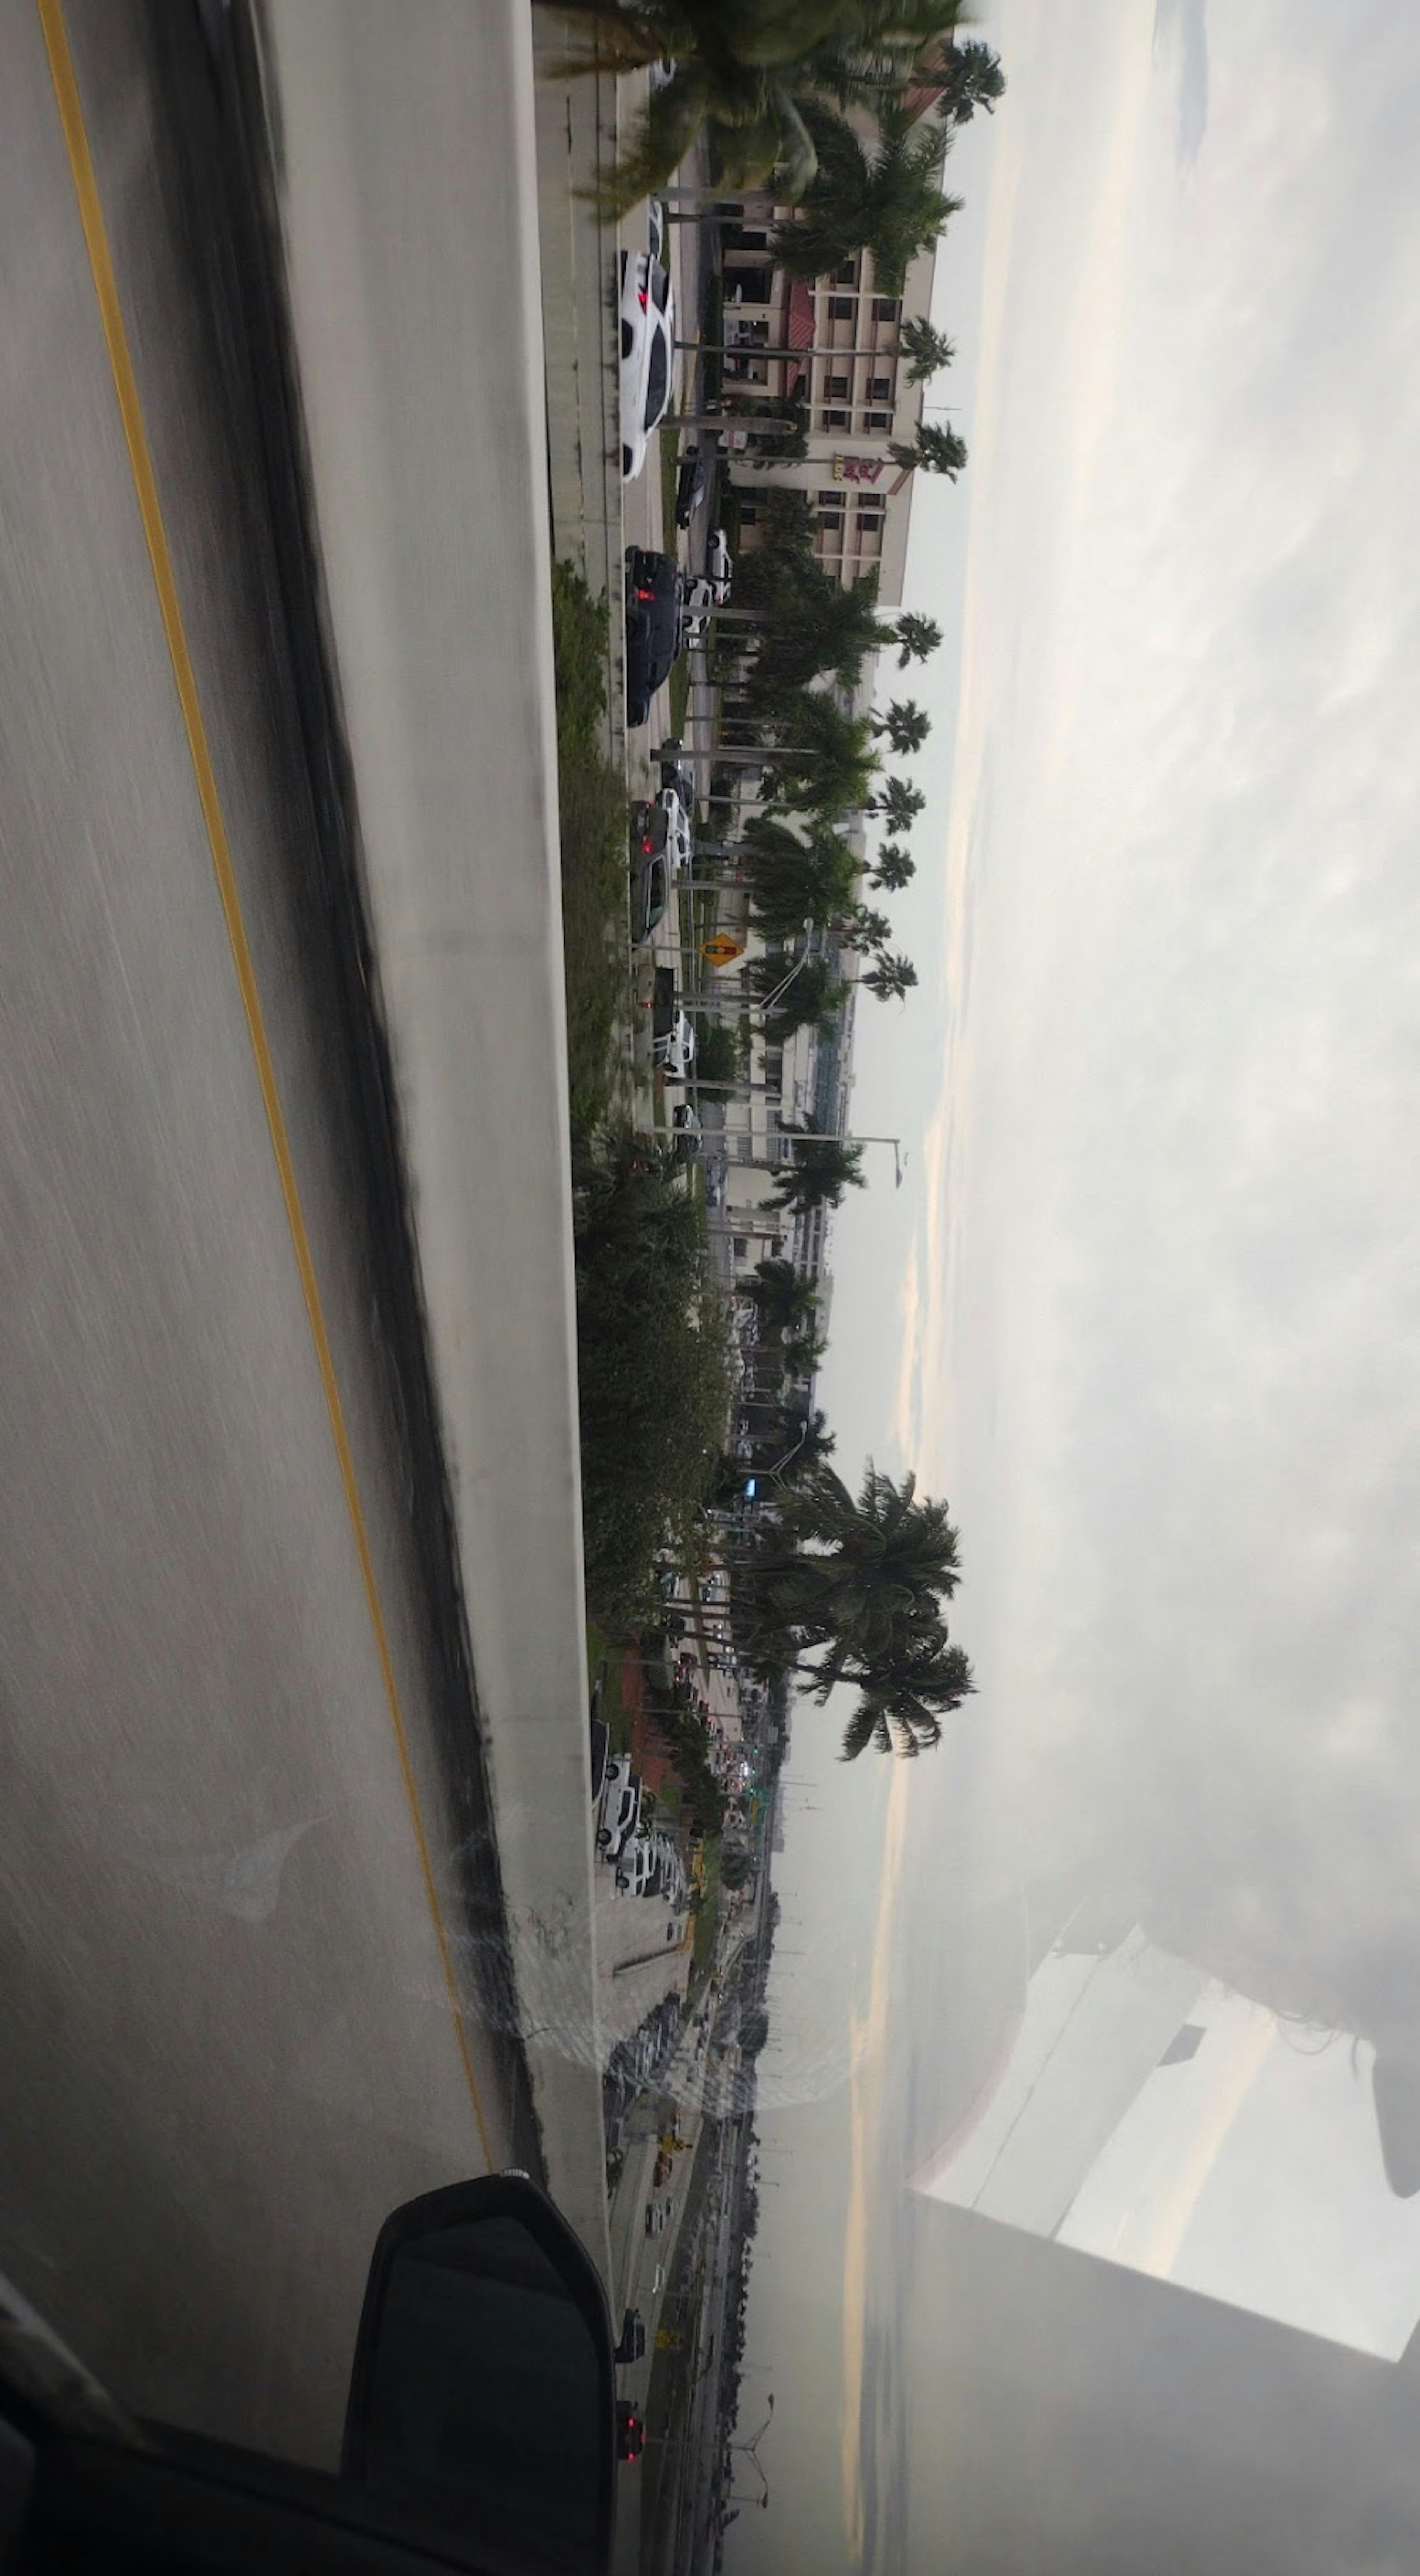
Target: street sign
[720,949]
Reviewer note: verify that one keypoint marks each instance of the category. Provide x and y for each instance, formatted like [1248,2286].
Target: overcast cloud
[1159,1274]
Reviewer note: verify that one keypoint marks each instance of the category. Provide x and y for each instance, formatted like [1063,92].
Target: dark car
[690,487]
[632,2346]
[652,627]
[630,2431]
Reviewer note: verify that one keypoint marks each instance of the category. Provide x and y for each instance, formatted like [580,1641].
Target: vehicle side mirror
[483,2397]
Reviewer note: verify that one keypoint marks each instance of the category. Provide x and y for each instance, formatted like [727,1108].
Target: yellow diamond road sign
[721,949]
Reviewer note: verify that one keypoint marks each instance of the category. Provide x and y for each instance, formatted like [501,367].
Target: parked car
[696,605]
[679,846]
[647,314]
[655,2217]
[635,1867]
[625,1825]
[675,1053]
[630,2431]
[632,2346]
[688,1135]
[719,569]
[689,486]
[650,897]
[658,2280]
[653,599]
[676,770]
[658,229]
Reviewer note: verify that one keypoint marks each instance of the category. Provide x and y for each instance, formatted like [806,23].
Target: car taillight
[645,845]
[645,594]
[641,298]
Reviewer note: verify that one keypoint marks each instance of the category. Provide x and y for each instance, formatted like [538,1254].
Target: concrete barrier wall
[404,139]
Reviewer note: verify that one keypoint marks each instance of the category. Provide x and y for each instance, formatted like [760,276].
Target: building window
[836,388]
[832,498]
[886,308]
[835,419]
[829,520]
[869,521]
[749,514]
[880,388]
[847,275]
[741,1247]
[844,308]
[877,420]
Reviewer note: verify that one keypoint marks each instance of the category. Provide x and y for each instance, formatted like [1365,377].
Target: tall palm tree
[893,870]
[896,804]
[937,449]
[823,1167]
[928,350]
[881,197]
[820,761]
[862,929]
[793,880]
[891,977]
[905,1700]
[915,637]
[749,75]
[861,1578]
[970,77]
[906,726]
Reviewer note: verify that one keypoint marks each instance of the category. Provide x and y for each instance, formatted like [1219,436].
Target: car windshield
[642,1525]
[657,379]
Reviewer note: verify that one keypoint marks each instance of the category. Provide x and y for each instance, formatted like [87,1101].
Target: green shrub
[653,1367]
[593,825]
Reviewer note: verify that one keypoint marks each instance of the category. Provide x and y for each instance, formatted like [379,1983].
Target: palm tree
[861,1579]
[881,197]
[823,1167]
[905,1699]
[906,726]
[862,929]
[749,74]
[896,804]
[937,449]
[970,77]
[803,1354]
[793,880]
[892,978]
[822,762]
[928,350]
[916,637]
[784,1297]
[893,870]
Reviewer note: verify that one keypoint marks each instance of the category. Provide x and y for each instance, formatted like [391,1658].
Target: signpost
[720,949]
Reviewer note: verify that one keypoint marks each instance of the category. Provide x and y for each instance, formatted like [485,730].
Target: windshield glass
[729,1527]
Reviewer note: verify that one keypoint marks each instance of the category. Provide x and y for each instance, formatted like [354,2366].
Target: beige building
[832,349]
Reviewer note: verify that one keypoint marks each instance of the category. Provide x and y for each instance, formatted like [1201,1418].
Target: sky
[1146,1307]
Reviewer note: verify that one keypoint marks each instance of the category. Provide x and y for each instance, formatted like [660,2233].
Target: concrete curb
[405,143]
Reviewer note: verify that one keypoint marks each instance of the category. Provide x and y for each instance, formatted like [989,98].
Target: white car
[657,230]
[679,846]
[647,314]
[633,1870]
[675,1052]
[695,608]
[719,569]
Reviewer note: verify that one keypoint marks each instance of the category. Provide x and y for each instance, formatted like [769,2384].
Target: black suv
[652,627]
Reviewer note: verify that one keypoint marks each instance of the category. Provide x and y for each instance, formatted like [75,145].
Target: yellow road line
[71,117]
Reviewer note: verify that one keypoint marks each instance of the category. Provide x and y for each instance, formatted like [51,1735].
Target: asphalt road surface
[225,2027]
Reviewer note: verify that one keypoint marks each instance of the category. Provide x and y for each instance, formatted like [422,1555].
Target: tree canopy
[970,77]
[937,449]
[850,1589]
[893,870]
[905,725]
[821,1169]
[753,76]
[915,637]
[881,196]
[890,978]
[928,351]
[897,804]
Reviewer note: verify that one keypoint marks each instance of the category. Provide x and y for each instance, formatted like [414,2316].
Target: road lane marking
[125,385]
